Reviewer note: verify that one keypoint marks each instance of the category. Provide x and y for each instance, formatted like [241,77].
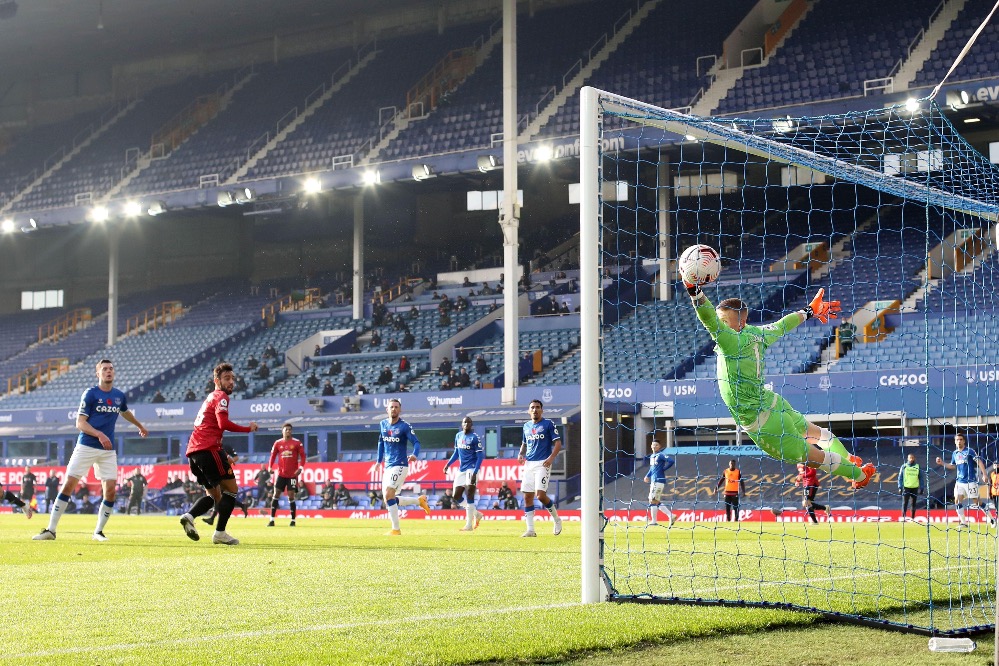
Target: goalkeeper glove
[820,309]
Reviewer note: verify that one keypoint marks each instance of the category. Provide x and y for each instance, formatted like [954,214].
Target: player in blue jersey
[540,444]
[968,465]
[100,407]
[659,462]
[394,434]
[469,454]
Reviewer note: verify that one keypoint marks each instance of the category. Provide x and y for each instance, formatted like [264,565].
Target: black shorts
[285,482]
[808,492]
[732,500]
[210,467]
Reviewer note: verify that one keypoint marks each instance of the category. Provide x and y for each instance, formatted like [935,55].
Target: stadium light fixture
[245,195]
[99,214]
[423,172]
[156,208]
[543,153]
[7,226]
[487,163]
[132,209]
[371,177]
[784,125]
[312,186]
[973,119]
[912,105]
[32,226]
[224,199]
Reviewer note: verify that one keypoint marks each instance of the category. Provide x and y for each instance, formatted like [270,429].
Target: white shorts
[463,479]
[535,477]
[969,490]
[85,457]
[656,491]
[394,477]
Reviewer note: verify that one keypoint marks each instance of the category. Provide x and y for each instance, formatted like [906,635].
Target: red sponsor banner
[423,475]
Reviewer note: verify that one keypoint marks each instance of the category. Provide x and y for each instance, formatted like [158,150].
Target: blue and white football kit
[539,439]
[393,439]
[658,464]
[469,453]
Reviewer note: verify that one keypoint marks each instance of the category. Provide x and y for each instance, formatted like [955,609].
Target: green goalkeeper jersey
[740,361]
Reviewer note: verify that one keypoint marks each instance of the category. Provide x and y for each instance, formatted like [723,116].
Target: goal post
[891,211]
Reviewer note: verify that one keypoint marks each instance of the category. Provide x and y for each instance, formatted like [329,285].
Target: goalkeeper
[766,417]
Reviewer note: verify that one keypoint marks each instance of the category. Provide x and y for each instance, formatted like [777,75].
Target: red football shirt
[289,454]
[807,476]
[211,423]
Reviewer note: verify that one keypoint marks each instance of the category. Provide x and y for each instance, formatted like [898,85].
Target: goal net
[893,214]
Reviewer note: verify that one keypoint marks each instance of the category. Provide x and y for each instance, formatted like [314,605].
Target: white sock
[669,514]
[529,517]
[394,515]
[552,512]
[830,461]
[58,508]
[408,501]
[960,512]
[469,515]
[103,513]
[653,514]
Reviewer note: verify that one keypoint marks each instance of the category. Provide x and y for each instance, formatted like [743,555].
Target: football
[699,264]
[777,511]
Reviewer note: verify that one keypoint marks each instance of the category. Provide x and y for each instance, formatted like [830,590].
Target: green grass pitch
[340,592]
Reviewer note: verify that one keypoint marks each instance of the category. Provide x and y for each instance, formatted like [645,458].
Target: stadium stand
[982,62]
[830,54]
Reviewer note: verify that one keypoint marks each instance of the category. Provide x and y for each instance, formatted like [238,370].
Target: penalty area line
[194,640]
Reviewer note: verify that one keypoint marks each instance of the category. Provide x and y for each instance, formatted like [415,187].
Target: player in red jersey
[289,454]
[808,480]
[209,463]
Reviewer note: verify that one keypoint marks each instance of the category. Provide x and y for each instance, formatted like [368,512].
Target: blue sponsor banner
[918,393]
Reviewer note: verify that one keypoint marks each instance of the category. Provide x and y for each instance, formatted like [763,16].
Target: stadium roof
[43,36]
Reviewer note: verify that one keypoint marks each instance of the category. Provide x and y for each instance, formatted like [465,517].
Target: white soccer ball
[699,264]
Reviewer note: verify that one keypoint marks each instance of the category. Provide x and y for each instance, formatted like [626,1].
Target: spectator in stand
[466,282]
[476,384]
[263,372]
[335,368]
[493,307]
[452,379]
[408,340]
[375,498]
[460,304]
[435,297]
[344,497]
[158,397]
[481,367]
[251,363]
[444,319]
[445,385]
[446,501]
[328,388]
[445,368]
[361,388]
[461,355]
[312,381]
[271,352]
[318,351]
[240,384]
[303,493]
[190,396]
[210,386]
[464,381]
[376,340]
[354,349]
[192,490]
[564,310]
[392,345]
[403,365]
[384,377]
[425,343]
[82,496]
[414,312]
[506,496]
[329,492]
[348,379]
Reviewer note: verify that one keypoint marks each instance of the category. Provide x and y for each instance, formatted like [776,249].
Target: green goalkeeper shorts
[780,430]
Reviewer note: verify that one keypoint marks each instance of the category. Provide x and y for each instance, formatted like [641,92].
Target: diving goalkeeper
[766,417]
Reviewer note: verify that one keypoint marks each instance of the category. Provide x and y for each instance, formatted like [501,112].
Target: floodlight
[99,214]
[422,172]
[7,226]
[312,186]
[244,195]
[371,177]
[132,209]
[487,163]
[225,199]
[156,208]
[912,105]
[543,153]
